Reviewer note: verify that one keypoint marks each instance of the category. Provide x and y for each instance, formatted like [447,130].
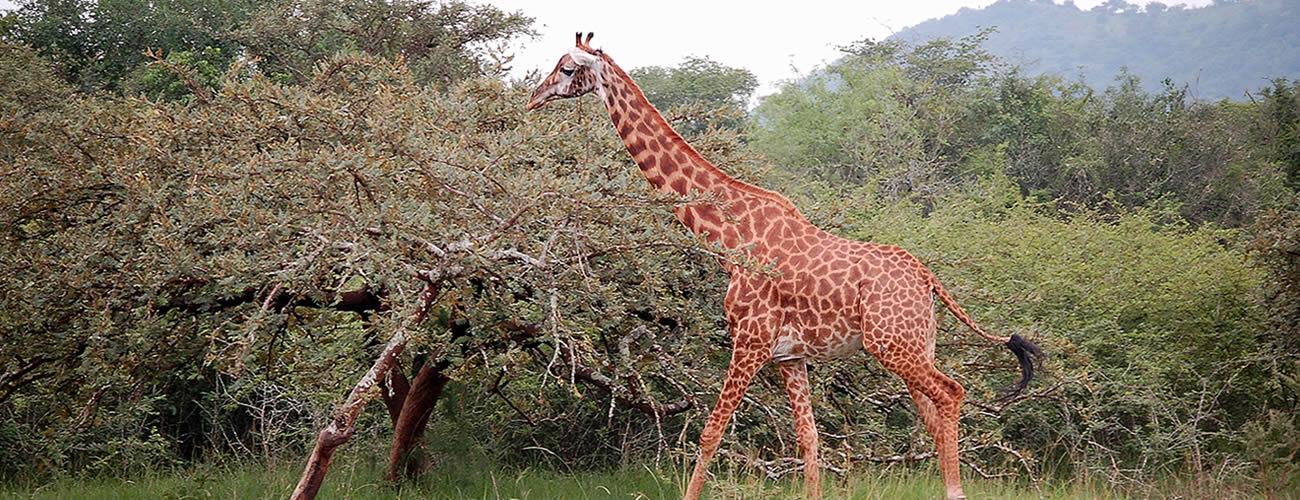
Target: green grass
[363,480]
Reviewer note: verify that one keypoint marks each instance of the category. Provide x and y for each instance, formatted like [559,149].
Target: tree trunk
[413,418]
[395,388]
[341,428]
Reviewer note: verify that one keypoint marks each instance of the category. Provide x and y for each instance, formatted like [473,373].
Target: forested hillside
[1220,51]
[213,221]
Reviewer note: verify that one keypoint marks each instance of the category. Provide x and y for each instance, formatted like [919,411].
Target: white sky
[776,42]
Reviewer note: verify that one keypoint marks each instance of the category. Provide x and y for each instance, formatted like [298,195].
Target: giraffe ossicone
[828,298]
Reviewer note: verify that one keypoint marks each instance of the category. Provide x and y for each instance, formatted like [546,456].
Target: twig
[199,91]
[496,389]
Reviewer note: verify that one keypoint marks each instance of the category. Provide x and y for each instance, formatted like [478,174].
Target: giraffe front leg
[744,364]
[795,374]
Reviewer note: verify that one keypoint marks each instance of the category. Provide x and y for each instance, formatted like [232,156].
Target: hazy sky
[776,42]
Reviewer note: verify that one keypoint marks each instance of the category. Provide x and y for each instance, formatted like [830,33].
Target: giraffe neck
[743,214]
[669,163]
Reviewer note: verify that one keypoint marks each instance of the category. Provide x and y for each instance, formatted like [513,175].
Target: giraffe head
[578,72]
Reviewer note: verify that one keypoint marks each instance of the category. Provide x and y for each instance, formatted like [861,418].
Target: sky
[777,43]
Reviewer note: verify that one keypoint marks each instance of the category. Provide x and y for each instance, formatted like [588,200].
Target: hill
[1219,51]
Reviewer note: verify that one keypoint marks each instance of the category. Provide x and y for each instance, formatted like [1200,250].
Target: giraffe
[828,298]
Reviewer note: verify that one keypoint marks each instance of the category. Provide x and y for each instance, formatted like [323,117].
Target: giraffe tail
[1023,349]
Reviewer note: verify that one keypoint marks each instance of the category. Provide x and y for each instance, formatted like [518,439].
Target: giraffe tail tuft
[1023,349]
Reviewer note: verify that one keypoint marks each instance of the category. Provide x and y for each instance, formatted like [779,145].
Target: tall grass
[362,479]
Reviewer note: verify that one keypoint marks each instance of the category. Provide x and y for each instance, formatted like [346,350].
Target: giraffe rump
[1023,349]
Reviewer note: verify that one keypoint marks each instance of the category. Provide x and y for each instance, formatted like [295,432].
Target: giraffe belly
[793,343]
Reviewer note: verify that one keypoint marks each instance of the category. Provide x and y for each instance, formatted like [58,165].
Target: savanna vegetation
[214,218]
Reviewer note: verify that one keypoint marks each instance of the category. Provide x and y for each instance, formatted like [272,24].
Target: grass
[364,480]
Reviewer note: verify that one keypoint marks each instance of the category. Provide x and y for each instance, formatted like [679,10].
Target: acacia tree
[166,234]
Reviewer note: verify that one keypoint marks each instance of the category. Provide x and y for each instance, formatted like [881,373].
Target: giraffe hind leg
[938,400]
[904,338]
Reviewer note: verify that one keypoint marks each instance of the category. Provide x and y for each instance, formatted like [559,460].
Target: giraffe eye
[567,71]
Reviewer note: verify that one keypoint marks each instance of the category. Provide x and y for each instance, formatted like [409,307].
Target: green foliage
[1151,324]
[58,30]
[946,63]
[30,84]
[698,81]
[123,29]
[102,44]
[9,23]
[885,114]
[1276,251]
[95,44]
[1278,128]
[441,42]
[908,121]
[1125,145]
[179,76]
[1272,441]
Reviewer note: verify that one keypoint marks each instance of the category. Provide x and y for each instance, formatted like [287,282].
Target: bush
[1150,323]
